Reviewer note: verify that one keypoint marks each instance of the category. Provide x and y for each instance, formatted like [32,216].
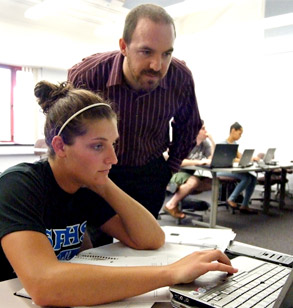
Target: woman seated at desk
[247,180]
[45,206]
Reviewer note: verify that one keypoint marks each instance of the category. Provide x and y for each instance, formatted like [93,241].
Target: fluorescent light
[47,8]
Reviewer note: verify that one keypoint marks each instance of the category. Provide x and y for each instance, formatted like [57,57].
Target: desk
[255,168]
[8,287]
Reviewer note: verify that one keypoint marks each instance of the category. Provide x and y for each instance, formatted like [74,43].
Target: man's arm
[213,145]
[186,126]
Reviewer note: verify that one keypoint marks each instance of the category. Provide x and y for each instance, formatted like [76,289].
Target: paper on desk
[146,300]
[93,256]
[199,238]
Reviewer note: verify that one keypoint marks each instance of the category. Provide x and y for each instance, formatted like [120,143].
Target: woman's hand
[103,189]
[198,263]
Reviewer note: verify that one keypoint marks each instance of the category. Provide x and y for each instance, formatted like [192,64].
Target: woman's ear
[58,146]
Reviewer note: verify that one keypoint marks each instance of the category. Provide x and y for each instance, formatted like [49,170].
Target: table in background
[267,169]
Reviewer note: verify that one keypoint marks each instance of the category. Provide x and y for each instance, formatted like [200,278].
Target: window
[19,111]
[7,82]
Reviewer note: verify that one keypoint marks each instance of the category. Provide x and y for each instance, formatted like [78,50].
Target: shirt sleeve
[186,126]
[75,77]
[19,208]
[83,75]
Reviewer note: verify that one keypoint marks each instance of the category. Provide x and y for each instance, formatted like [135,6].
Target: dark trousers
[146,184]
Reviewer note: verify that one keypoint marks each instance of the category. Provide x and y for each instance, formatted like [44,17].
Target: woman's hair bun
[48,93]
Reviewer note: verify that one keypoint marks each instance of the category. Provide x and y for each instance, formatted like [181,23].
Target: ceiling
[58,33]
[86,17]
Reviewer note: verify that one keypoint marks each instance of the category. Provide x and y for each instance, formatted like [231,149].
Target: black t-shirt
[31,199]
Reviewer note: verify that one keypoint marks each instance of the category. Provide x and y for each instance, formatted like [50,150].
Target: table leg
[283,188]
[214,204]
[267,192]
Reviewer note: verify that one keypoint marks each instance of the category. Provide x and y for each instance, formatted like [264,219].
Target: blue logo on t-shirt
[66,242]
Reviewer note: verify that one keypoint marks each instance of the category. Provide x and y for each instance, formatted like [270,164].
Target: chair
[275,178]
[40,148]
[227,185]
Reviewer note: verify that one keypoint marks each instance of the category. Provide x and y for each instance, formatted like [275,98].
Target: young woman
[45,206]
[247,181]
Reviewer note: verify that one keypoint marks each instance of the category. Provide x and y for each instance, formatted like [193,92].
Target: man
[200,155]
[148,88]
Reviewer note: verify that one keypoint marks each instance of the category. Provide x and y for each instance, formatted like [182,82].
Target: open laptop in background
[223,156]
[258,283]
[269,156]
[245,160]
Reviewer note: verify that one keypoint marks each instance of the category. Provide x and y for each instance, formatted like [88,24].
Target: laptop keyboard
[259,288]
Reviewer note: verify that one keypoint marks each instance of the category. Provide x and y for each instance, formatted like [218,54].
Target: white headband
[79,112]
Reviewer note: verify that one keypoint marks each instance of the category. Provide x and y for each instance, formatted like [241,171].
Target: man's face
[148,56]
[202,134]
[236,134]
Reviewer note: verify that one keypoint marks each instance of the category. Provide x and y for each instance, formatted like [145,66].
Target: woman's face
[89,160]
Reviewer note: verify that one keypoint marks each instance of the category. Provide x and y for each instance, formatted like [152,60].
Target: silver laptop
[269,156]
[257,284]
[245,160]
[223,156]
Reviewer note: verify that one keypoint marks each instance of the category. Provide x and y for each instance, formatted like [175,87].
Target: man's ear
[122,46]
[58,146]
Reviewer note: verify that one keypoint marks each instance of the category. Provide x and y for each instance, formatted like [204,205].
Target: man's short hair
[236,126]
[153,12]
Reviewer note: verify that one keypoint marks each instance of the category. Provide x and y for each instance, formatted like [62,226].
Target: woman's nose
[112,157]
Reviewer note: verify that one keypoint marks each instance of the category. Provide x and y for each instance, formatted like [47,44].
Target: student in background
[149,88]
[186,182]
[247,180]
[45,206]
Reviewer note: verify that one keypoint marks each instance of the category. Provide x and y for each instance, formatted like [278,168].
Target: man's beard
[149,85]
[138,78]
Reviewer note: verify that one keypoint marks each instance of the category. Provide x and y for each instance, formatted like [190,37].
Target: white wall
[241,76]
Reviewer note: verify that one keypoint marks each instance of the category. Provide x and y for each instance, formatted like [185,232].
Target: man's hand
[204,161]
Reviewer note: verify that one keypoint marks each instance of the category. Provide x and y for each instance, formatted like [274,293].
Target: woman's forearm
[79,285]
[138,222]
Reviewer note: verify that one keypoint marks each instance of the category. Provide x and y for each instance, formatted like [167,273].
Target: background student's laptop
[223,156]
[206,291]
[269,156]
[245,160]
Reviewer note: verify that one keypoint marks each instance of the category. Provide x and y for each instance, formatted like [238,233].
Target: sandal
[174,212]
[232,204]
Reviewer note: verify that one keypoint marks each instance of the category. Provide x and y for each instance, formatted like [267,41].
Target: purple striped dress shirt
[144,116]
